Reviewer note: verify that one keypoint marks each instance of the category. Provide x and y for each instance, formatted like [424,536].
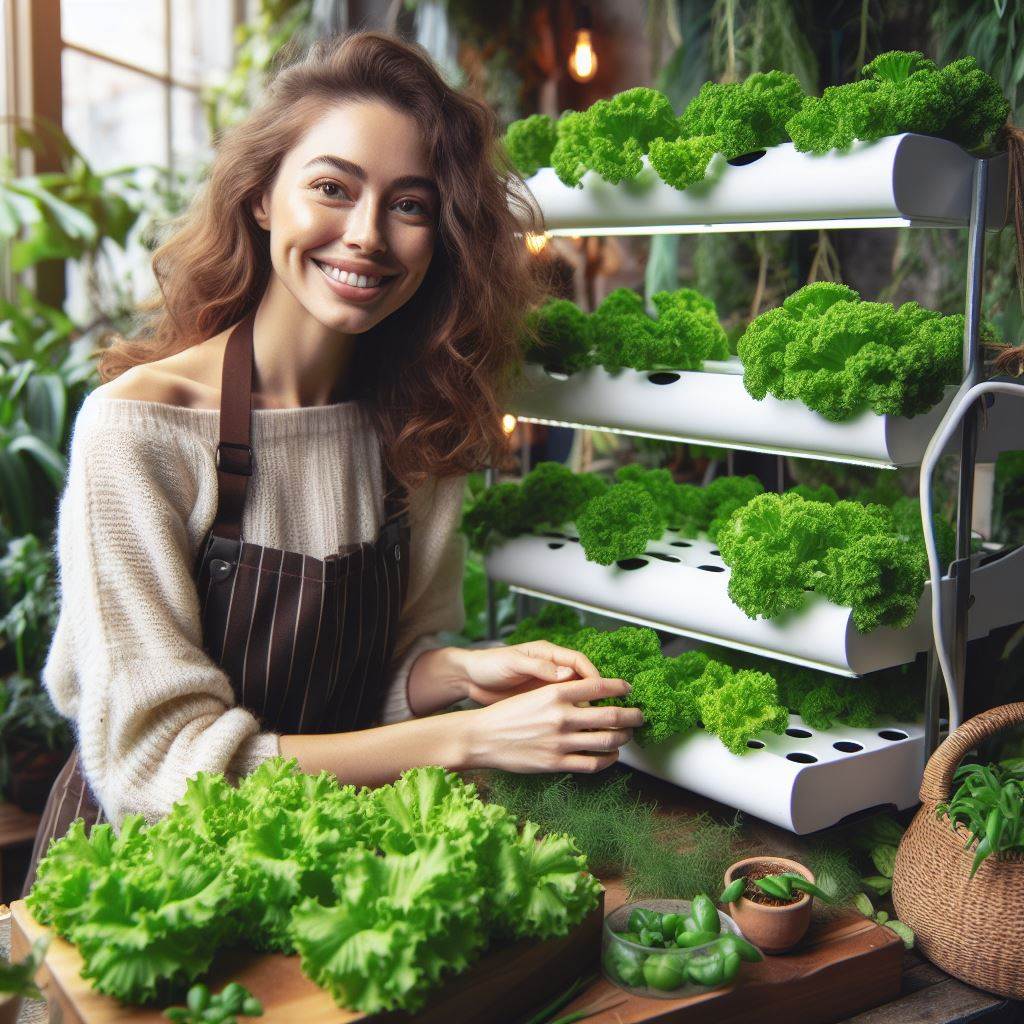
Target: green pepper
[252,1007]
[651,938]
[629,936]
[232,996]
[625,965]
[198,998]
[730,968]
[688,940]
[670,923]
[730,943]
[733,891]
[641,918]
[706,969]
[703,912]
[665,972]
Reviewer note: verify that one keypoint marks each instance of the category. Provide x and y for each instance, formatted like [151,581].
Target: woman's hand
[543,729]
[492,674]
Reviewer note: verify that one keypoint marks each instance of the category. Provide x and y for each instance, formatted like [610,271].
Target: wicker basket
[973,928]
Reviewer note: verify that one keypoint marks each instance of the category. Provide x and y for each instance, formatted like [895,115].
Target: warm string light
[583,59]
[536,242]
[508,423]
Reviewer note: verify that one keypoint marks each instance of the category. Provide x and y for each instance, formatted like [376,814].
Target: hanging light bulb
[583,59]
[508,423]
[536,242]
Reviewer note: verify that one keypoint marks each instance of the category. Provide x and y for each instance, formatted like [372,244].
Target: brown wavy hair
[433,373]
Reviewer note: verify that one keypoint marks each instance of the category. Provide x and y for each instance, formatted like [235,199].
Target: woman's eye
[320,186]
[419,208]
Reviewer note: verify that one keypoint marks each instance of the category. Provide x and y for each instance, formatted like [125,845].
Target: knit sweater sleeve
[127,662]
[433,603]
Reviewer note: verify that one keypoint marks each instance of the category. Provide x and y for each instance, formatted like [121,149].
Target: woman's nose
[362,227]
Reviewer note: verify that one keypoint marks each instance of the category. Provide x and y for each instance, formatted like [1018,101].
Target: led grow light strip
[722,227]
[695,634]
[848,460]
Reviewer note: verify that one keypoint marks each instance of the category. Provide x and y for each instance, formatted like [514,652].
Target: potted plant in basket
[959,870]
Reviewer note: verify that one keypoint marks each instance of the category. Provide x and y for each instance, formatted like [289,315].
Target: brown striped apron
[306,642]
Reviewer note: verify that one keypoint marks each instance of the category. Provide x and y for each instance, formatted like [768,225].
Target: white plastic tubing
[962,401]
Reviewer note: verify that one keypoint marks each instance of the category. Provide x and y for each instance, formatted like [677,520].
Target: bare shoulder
[189,378]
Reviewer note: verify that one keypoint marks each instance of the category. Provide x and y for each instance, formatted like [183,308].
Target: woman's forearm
[372,757]
[437,680]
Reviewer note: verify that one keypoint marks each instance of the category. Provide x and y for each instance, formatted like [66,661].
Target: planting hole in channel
[555,545]
[631,563]
[560,536]
[746,158]
[847,746]
[661,555]
[802,758]
[892,734]
[798,733]
[681,544]
[711,568]
[714,551]
[663,378]
[755,744]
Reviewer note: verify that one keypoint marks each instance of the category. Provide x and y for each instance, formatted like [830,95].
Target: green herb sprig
[989,803]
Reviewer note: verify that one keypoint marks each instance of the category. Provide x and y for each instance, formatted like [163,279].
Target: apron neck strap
[234,451]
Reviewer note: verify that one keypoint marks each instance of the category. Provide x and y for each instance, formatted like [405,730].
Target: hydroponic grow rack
[807,779]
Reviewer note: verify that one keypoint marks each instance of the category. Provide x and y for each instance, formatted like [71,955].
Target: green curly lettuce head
[774,545]
[683,161]
[879,576]
[562,337]
[570,155]
[529,143]
[622,653]
[741,708]
[622,129]
[619,523]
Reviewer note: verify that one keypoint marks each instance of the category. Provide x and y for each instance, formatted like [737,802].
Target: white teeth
[347,277]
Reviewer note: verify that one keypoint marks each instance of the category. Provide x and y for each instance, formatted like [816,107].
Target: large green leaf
[46,407]
[16,504]
[50,461]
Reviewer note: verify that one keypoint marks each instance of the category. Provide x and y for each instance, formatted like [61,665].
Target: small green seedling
[783,886]
[867,908]
[733,891]
[203,1007]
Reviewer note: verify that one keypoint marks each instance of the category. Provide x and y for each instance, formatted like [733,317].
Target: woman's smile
[348,285]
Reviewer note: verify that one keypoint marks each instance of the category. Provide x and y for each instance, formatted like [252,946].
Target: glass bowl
[623,961]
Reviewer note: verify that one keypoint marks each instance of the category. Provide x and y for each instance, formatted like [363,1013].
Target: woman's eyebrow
[406,181]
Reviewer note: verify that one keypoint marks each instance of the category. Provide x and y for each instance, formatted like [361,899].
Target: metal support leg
[932,705]
[960,571]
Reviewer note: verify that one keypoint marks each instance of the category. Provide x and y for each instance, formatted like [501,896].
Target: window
[132,72]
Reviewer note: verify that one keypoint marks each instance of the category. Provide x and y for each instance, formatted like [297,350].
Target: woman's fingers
[587,762]
[528,667]
[604,718]
[598,741]
[593,688]
[565,656]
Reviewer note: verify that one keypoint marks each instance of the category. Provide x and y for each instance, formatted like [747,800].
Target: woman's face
[352,215]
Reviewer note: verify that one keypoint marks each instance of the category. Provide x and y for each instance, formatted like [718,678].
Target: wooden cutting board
[840,968]
[506,984]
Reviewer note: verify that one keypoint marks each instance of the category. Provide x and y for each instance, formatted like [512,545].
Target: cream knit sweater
[126,662]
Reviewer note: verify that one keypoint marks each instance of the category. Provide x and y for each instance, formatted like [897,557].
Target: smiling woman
[258,541]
